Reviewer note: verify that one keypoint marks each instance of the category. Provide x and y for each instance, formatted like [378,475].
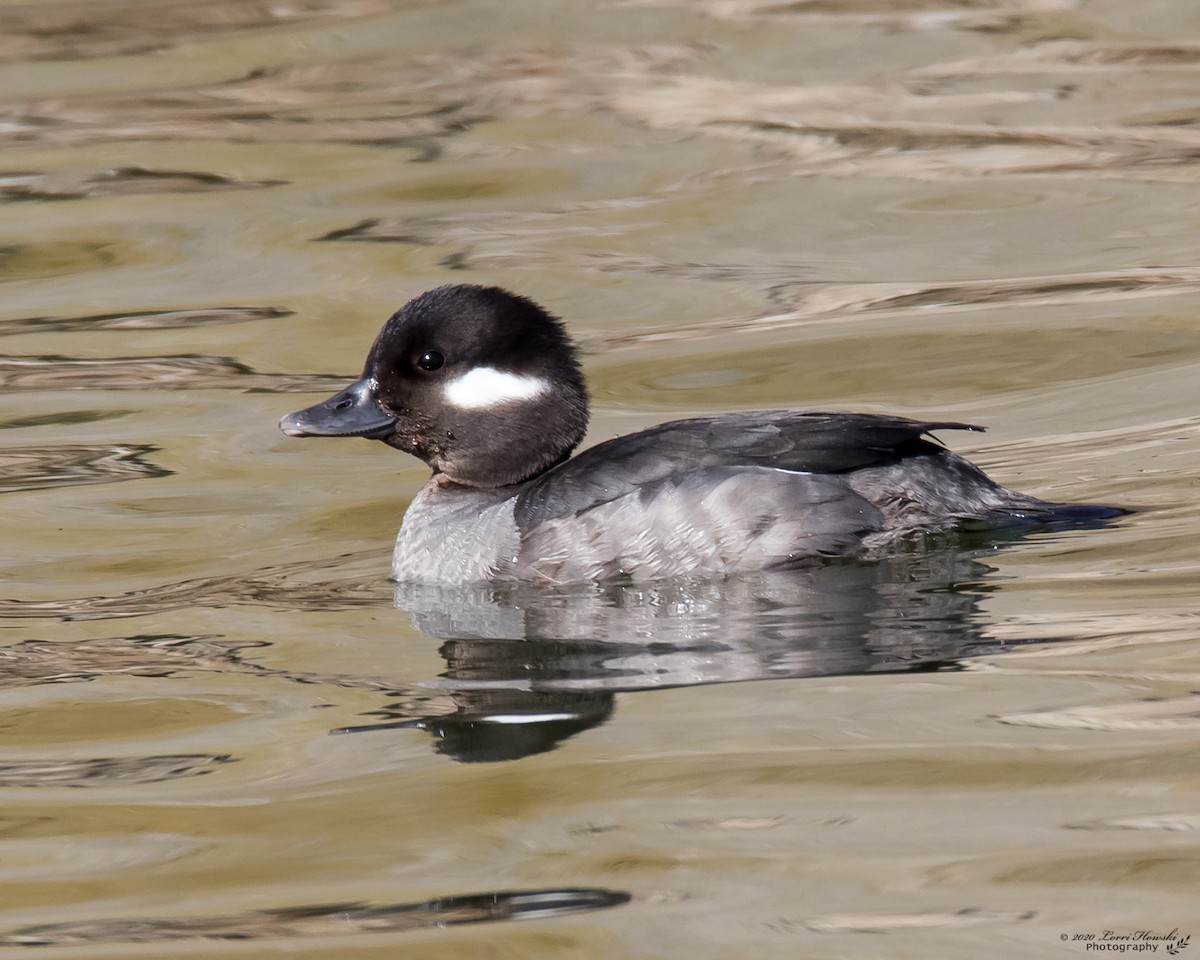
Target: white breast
[455,537]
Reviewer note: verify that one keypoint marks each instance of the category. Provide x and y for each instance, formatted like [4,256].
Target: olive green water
[219,736]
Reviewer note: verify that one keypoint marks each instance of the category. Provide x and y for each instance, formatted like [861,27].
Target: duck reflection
[529,666]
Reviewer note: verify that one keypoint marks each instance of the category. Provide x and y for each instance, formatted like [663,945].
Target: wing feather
[812,443]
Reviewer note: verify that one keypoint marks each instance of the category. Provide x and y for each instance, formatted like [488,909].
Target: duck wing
[783,440]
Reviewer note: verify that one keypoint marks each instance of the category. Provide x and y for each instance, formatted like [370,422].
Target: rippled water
[220,727]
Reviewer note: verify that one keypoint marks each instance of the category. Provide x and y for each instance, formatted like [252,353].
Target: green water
[982,212]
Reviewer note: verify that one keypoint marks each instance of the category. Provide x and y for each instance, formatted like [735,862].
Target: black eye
[431,360]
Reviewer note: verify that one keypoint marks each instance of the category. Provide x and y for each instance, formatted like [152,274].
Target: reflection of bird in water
[529,666]
[484,386]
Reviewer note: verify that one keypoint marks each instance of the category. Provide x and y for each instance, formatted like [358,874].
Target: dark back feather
[830,443]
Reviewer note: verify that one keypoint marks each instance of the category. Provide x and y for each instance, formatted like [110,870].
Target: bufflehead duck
[485,387]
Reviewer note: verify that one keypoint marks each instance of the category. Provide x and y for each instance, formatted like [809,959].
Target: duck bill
[353,412]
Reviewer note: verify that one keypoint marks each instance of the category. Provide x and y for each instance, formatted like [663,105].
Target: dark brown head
[481,384]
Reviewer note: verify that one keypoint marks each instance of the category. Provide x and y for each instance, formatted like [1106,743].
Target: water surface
[222,728]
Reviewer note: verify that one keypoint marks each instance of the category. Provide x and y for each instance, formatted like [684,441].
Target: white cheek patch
[486,387]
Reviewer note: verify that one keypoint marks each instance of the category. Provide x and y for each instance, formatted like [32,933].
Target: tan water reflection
[25,468]
[122,181]
[981,211]
[158,373]
[337,919]
[62,31]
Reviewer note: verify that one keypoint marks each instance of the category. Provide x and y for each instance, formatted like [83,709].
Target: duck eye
[431,360]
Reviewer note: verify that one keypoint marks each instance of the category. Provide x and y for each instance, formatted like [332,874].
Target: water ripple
[70,465]
[106,771]
[153,373]
[118,181]
[326,920]
[66,31]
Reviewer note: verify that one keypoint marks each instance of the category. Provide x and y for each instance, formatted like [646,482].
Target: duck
[485,386]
